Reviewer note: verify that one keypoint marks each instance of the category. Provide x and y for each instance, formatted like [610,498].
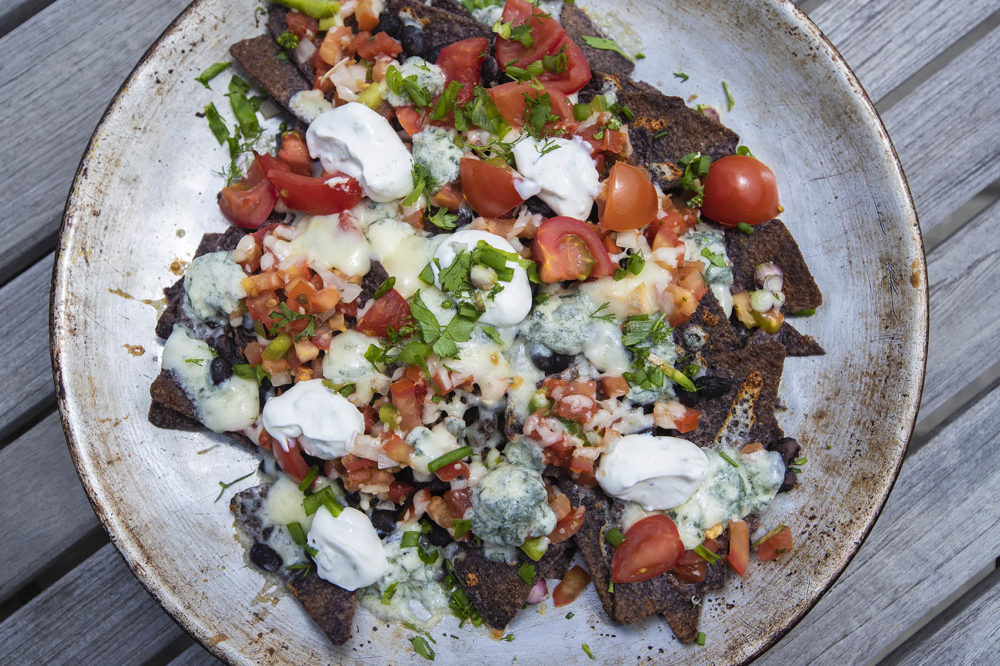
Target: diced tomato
[569,588]
[629,200]
[686,420]
[511,100]
[612,142]
[261,283]
[291,462]
[248,203]
[579,408]
[581,464]
[295,153]
[691,277]
[304,27]
[408,402]
[775,546]
[613,386]
[547,38]
[264,439]
[449,196]
[685,303]
[322,195]
[389,311]
[399,492]
[411,120]
[569,249]
[396,448]
[453,471]
[651,547]
[692,567]
[559,454]
[462,62]
[331,49]
[366,15]
[557,388]
[379,45]
[739,546]
[569,525]
[559,503]
[489,189]
[439,513]
[458,501]
[353,463]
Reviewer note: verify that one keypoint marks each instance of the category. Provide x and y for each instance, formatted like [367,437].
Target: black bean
[539,207]
[412,39]
[490,71]
[389,23]
[788,448]
[265,557]
[548,361]
[791,478]
[434,53]
[465,216]
[221,370]
[712,387]
[383,521]
[688,398]
[439,536]
[226,348]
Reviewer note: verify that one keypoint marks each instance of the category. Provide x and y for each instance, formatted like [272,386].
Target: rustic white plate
[145,193]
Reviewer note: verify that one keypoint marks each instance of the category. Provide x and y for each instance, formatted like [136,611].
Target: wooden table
[922,588]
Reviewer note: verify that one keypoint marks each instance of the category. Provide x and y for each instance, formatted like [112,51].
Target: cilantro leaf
[605,44]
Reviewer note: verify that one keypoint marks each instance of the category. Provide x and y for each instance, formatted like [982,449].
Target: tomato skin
[651,547]
[291,462]
[569,588]
[462,62]
[312,195]
[488,189]
[569,249]
[569,525]
[411,120]
[248,208]
[295,153]
[739,546]
[630,200]
[740,188]
[549,39]
[775,546]
[511,103]
[391,310]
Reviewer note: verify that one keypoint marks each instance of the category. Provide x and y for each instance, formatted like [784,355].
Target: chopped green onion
[508,638]
[527,573]
[611,587]
[769,534]
[706,554]
[324,497]
[461,527]
[234,481]
[586,650]
[804,313]
[210,73]
[421,647]
[730,101]
[309,478]
[317,9]
[724,456]
[216,124]
[535,548]
[427,275]
[681,75]
[700,638]
[298,534]
[410,540]
[675,375]
[389,593]
[569,615]
[277,348]
[743,150]
[745,228]
[614,537]
[449,458]
[312,551]
[388,415]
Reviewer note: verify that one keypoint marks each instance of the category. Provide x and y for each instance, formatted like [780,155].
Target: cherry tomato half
[651,547]
[489,189]
[511,102]
[740,188]
[630,200]
[321,195]
[569,249]
[248,202]
[547,39]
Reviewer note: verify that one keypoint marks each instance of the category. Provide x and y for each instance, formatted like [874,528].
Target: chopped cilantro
[493,334]
[714,258]
[421,647]
[443,219]
[211,72]
[681,75]
[234,481]
[384,288]
[216,124]
[605,44]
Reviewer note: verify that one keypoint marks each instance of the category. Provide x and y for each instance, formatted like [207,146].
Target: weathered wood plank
[903,569]
[195,655]
[973,632]
[964,273]
[15,12]
[39,158]
[36,471]
[887,41]
[943,132]
[97,614]
[24,324]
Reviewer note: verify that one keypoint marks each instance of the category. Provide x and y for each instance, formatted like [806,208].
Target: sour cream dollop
[349,552]
[324,421]
[566,174]
[512,304]
[355,140]
[657,472]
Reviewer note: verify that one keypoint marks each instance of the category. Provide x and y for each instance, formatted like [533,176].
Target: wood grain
[36,471]
[24,324]
[39,83]
[964,272]
[908,564]
[945,132]
[195,655]
[97,614]
[887,41]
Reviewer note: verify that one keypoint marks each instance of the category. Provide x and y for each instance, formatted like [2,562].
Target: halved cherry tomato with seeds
[569,249]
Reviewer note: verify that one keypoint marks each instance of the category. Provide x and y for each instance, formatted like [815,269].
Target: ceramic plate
[145,193]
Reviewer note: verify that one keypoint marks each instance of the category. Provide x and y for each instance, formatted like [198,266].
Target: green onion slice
[449,458]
